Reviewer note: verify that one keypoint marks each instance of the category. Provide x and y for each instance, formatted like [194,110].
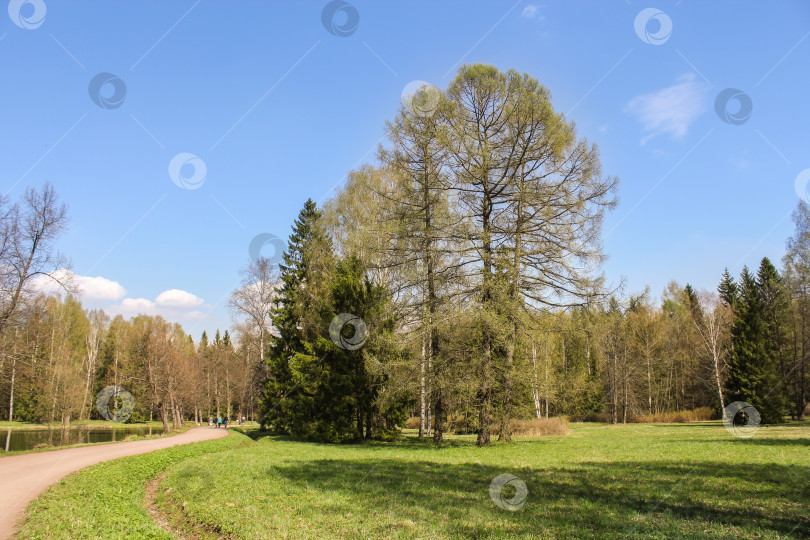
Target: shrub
[537,427]
[697,415]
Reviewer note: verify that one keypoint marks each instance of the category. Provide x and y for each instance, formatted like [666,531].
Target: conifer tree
[728,289]
[303,270]
[347,379]
[776,323]
[752,376]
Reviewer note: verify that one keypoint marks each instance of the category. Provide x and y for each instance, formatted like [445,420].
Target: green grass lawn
[636,480]
[639,480]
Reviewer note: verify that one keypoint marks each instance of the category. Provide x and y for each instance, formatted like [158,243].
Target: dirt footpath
[25,476]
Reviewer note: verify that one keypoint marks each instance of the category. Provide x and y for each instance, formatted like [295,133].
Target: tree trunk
[429,392]
[164,416]
[802,393]
[486,397]
[649,378]
[545,391]
[535,386]
[92,352]
[515,298]
[614,413]
[437,431]
[11,396]
[486,301]
[422,404]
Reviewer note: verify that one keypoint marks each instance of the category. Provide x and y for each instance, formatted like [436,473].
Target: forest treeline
[61,356]
[56,356]
[456,279]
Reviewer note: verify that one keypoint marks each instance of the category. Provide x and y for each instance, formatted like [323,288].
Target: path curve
[25,476]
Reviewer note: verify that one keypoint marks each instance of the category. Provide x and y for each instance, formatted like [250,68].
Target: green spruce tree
[352,371]
[776,328]
[287,399]
[751,375]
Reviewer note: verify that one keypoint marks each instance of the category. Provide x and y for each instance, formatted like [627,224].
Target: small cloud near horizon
[88,288]
[176,298]
[170,304]
[99,292]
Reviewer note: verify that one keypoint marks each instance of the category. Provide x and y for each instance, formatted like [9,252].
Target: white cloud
[531,11]
[671,110]
[175,298]
[89,288]
[99,292]
[135,305]
[99,288]
[173,305]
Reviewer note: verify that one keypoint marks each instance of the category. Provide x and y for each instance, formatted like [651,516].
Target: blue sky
[279,109]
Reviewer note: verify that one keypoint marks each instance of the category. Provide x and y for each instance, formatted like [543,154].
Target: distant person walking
[210,421]
[219,421]
[225,422]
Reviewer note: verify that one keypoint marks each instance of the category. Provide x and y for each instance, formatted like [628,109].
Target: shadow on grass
[706,423]
[606,499]
[753,441]
[719,424]
[405,441]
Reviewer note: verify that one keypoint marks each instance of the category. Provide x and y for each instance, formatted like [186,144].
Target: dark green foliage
[317,388]
[776,324]
[753,376]
[289,356]
[728,289]
[332,391]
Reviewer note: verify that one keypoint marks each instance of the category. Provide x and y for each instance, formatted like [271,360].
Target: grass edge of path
[106,500]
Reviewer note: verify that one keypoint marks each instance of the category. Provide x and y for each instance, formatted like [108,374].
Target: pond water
[28,439]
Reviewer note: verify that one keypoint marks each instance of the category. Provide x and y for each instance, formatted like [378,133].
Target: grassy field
[601,481]
[641,480]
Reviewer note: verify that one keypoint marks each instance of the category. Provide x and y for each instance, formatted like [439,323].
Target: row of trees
[478,231]
[58,356]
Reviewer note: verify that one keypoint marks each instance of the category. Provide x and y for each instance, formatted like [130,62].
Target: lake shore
[131,433]
[79,424]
